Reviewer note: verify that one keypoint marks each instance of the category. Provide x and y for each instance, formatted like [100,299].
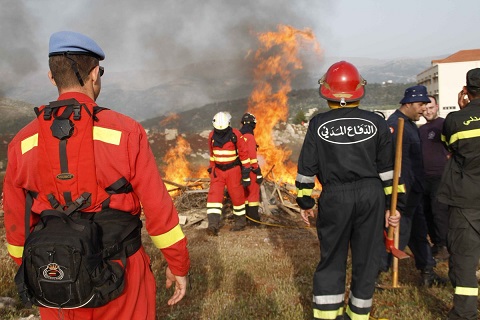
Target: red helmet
[342,83]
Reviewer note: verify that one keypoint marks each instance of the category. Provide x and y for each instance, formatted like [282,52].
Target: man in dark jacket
[350,152]
[413,226]
[459,190]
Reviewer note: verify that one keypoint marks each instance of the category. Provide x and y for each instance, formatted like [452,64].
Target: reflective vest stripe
[331,314]
[224,152]
[304,179]
[328,299]
[384,176]
[167,239]
[15,251]
[389,190]
[304,192]
[468,134]
[464,291]
[29,143]
[107,135]
[356,316]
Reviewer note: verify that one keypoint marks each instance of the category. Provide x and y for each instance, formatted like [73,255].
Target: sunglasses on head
[102,70]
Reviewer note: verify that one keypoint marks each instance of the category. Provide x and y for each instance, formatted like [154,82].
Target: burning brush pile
[277,59]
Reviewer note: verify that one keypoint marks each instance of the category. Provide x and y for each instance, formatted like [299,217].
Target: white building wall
[444,81]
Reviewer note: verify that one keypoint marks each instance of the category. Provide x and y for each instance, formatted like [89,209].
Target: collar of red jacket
[80,97]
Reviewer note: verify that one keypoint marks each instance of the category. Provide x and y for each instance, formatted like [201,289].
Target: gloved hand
[209,170]
[258,172]
[245,177]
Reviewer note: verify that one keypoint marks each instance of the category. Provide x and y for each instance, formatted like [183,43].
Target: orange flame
[176,164]
[277,59]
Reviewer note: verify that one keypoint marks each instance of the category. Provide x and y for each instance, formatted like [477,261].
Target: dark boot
[240,222]
[213,224]
[430,278]
[252,212]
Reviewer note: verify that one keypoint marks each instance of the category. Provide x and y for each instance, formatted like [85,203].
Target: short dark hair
[63,72]
[474,91]
[433,97]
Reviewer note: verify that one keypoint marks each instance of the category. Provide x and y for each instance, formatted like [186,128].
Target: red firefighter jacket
[121,149]
[252,149]
[230,151]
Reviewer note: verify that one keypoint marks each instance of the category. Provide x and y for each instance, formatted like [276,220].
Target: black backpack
[67,260]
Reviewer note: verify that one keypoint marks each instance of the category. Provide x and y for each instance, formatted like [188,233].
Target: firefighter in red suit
[229,167]
[121,148]
[252,192]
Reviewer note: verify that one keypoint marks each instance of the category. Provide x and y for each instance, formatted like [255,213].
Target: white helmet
[221,120]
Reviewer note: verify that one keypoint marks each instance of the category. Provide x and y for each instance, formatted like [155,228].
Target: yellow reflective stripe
[167,239]
[304,192]
[229,159]
[331,314]
[253,161]
[107,135]
[253,204]
[443,138]
[464,291]
[15,251]
[212,158]
[224,152]
[246,161]
[389,190]
[475,133]
[214,211]
[29,143]
[356,316]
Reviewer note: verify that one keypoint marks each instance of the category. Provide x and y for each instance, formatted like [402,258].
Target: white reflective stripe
[224,152]
[329,299]
[29,143]
[386,175]
[464,291]
[360,303]
[214,205]
[214,211]
[305,179]
[240,207]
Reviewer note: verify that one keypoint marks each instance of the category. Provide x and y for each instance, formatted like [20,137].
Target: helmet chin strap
[342,104]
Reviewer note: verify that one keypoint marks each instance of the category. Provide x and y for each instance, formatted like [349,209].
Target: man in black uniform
[350,152]
[413,225]
[459,189]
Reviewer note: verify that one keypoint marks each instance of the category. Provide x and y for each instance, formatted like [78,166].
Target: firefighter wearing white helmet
[350,152]
[252,192]
[229,167]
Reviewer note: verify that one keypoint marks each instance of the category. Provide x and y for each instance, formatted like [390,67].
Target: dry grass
[262,273]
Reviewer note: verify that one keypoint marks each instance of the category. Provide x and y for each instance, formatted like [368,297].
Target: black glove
[209,170]
[245,177]
[258,172]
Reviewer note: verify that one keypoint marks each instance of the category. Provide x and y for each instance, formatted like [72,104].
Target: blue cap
[73,43]
[415,94]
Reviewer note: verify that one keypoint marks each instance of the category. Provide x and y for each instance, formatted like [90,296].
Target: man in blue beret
[126,183]
[413,226]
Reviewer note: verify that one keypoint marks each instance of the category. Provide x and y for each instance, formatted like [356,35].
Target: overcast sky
[159,34]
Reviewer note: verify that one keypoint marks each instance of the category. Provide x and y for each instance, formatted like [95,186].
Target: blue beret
[415,94]
[73,43]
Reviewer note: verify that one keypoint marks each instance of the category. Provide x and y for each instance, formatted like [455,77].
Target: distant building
[446,77]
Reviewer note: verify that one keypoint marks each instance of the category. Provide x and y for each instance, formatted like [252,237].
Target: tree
[299,117]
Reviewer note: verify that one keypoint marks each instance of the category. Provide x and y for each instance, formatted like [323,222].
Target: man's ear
[50,76]
[94,74]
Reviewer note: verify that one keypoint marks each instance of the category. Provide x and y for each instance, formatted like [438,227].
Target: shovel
[392,237]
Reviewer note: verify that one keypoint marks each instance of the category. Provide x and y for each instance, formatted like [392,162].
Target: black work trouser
[349,215]
[413,232]
[436,213]
[464,246]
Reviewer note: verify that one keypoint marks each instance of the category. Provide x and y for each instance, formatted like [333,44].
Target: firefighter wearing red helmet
[350,152]
[252,192]
[229,167]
